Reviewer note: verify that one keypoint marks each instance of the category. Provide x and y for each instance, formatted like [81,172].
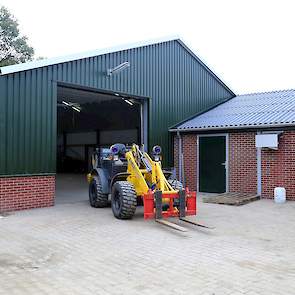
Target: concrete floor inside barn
[75,249]
[71,188]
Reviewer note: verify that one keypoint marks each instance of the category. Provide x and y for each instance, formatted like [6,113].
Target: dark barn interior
[87,120]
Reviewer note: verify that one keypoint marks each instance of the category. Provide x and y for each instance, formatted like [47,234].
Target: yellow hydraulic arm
[146,174]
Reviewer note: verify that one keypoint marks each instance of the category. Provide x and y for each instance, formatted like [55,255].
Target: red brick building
[246,144]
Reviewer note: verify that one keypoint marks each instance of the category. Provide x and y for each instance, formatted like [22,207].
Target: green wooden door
[212,169]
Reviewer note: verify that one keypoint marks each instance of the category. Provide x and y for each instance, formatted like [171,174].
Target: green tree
[13,47]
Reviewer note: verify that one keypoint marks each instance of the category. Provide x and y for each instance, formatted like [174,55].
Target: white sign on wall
[267,141]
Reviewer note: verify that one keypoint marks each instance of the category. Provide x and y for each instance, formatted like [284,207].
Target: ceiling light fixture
[128,101]
[76,109]
[66,103]
[75,106]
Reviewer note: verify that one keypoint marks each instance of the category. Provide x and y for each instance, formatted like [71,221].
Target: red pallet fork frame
[153,209]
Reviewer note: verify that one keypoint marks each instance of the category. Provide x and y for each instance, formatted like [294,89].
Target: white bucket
[280,195]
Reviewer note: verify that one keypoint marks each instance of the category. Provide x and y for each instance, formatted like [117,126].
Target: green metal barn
[55,112]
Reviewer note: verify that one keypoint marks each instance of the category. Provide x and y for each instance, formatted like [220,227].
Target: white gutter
[233,127]
[259,171]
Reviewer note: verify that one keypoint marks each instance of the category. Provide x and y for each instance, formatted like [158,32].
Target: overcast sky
[249,44]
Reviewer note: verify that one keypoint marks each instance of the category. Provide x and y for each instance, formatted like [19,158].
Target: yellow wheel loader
[129,176]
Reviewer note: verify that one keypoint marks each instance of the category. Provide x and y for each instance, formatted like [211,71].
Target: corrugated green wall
[177,83]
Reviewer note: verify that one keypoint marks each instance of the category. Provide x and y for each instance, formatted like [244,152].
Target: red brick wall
[189,148]
[278,167]
[25,192]
[242,162]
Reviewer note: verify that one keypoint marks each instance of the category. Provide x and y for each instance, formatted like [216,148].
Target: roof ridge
[266,92]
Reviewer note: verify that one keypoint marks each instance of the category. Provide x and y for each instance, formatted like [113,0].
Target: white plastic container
[280,195]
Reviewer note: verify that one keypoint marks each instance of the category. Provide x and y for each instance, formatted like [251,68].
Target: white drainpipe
[180,157]
[259,181]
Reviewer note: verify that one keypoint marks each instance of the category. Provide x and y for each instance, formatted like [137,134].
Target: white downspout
[180,158]
[259,181]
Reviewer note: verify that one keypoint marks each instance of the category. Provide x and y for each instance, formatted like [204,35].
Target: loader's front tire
[124,200]
[96,198]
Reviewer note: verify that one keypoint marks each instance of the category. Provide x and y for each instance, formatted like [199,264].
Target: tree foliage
[13,47]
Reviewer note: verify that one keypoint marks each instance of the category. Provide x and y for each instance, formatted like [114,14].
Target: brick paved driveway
[75,249]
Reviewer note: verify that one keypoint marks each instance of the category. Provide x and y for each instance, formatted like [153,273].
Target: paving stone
[76,249]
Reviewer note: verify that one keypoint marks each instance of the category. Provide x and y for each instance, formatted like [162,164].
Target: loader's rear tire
[177,185]
[96,198]
[123,200]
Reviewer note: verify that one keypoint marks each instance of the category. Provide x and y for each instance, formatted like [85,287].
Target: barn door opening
[88,119]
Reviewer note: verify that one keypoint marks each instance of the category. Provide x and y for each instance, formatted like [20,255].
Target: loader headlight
[157,153]
[114,149]
[157,150]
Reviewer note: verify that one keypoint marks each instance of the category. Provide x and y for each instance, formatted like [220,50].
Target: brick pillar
[278,167]
[189,149]
[242,163]
[189,145]
[26,192]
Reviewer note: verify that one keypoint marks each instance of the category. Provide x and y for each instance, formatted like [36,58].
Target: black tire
[123,200]
[177,185]
[96,198]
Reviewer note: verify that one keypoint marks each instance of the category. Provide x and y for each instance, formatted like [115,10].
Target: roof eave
[61,59]
[232,127]
[205,65]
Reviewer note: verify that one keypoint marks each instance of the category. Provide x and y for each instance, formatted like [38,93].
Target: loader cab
[110,160]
